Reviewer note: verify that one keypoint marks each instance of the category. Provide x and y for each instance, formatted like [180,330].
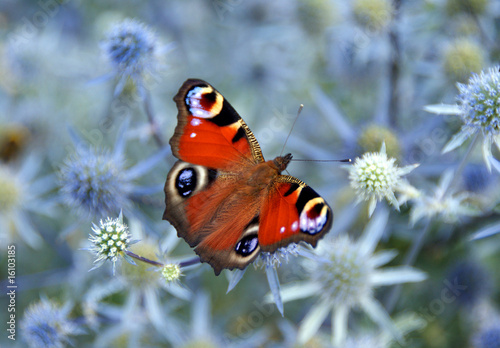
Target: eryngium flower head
[479,109]
[110,240]
[131,47]
[343,276]
[46,324]
[95,183]
[375,176]
[171,272]
[479,101]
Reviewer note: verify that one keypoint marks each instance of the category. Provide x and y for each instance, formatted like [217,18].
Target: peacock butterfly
[222,197]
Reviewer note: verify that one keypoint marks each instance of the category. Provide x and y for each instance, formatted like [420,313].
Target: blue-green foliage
[86,114]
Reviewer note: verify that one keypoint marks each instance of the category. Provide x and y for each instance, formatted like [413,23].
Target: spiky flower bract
[46,324]
[270,262]
[375,176]
[344,276]
[479,109]
[132,48]
[110,240]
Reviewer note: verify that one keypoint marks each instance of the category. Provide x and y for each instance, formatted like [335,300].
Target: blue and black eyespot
[247,245]
[186,181]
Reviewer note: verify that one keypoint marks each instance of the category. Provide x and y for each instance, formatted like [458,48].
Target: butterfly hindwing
[210,213]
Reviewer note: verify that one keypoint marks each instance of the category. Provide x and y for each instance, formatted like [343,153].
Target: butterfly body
[223,198]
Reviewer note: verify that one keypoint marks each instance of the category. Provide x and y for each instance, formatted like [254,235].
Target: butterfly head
[281,162]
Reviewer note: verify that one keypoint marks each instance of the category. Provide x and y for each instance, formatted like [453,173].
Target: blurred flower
[110,241]
[375,176]
[203,333]
[20,196]
[97,183]
[132,49]
[450,207]
[141,321]
[141,284]
[143,275]
[479,109]
[46,324]
[316,15]
[373,136]
[473,7]
[461,58]
[13,140]
[474,277]
[476,178]
[488,337]
[406,323]
[374,15]
[344,277]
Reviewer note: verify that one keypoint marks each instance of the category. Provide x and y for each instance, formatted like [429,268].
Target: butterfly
[222,197]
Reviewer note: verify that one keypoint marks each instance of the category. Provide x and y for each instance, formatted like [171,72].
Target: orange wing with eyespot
[292,212]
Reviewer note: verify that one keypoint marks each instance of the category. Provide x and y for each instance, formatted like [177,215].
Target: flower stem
[143,259]
[394,66]
[461,165]
[148,108]
[409,259]
[191,262]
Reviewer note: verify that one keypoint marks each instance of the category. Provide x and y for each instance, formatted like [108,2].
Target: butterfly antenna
[291,129]
[346,160]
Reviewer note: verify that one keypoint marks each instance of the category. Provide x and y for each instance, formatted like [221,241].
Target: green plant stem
[148,108]
[394,67]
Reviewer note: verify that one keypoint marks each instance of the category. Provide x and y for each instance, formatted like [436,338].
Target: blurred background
[363,69]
